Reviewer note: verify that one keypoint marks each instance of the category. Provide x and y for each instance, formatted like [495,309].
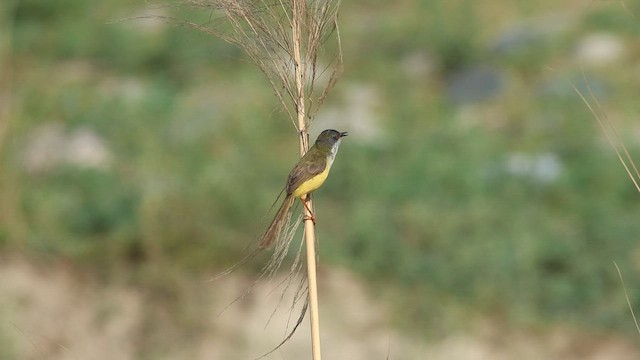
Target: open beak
[343,134]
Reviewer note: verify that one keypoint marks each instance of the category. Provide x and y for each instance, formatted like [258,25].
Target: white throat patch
[334,151]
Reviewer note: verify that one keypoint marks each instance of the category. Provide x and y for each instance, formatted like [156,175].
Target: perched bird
[305,177]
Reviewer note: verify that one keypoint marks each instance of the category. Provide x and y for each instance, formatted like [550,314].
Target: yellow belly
[311,184]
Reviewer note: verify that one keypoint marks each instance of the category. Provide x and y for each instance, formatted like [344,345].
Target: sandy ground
[52,313]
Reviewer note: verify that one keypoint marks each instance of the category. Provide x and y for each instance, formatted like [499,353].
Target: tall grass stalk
[617,144]
[285,39]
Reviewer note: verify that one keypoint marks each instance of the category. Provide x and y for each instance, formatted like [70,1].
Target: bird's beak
[343,134]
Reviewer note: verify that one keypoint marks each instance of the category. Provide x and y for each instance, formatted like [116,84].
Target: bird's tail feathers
[279,221]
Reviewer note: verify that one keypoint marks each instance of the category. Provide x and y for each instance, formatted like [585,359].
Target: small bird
[305,177]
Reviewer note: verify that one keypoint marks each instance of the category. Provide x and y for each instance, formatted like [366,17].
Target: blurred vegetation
[421,201]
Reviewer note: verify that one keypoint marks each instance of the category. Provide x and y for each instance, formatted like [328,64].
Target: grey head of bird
[330,136]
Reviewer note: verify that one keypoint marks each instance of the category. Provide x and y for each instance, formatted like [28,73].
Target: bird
[307,175]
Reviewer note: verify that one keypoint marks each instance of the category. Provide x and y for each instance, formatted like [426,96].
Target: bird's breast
[313,183]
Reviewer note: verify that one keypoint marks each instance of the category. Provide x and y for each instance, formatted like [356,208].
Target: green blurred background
[475,184]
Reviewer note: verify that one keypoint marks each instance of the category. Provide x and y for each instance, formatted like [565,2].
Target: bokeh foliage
[426,210]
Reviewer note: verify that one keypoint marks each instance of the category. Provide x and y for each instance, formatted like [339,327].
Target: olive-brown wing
[311,164]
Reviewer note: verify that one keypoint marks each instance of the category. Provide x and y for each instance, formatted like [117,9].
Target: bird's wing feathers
[308,167]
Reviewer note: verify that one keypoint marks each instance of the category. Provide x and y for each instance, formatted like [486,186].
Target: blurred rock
[475,84]
[418,65]
[515,40]
[51,146]
[358,115]
[85,148]
[542,168]
[130,89]
[530,33]
[563,86]
[600,49]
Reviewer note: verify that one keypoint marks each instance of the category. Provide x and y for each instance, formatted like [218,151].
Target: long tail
[275,228]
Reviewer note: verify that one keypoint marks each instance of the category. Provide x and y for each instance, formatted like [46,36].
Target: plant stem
[309,230]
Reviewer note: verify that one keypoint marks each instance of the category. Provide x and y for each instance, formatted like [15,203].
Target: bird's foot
[311,216]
